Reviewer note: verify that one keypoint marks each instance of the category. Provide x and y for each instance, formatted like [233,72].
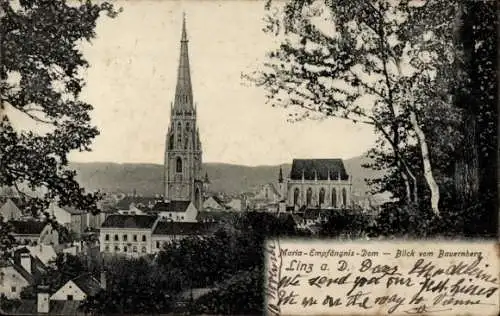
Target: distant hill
[147,179]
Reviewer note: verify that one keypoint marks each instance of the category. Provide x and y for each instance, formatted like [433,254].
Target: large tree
[477,91]
[42,118]
[379,62]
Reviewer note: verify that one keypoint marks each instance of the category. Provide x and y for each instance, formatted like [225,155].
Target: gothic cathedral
[183,181]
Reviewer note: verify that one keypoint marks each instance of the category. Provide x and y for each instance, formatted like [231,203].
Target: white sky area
[131,83]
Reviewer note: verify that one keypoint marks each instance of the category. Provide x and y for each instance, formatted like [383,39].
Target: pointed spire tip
[184,33]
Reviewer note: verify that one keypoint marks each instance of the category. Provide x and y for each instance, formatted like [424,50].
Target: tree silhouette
[40,83]
[377,62]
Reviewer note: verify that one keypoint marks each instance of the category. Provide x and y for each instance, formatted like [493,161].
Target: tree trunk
[467,167]
[407,185]
[406,173]
[429,176]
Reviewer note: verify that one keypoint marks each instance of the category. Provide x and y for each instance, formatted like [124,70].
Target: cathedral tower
[183,154]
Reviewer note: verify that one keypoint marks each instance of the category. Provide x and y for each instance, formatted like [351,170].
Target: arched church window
[187,127]
[178,164]
[334,197]
[296,193]
[344,197]
[321,196]
[309,196]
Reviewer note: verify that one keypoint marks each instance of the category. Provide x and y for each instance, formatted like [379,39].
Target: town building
[13,278]
[266,198]
[9,211]
[176,211]
[44,305]
[132,211]
[317,184]
[135,202]
[213,203]
[235,205]
[183,153]
[45,253]
[79,288]
[19,272]
[127,234]
[73,219]
[34,232]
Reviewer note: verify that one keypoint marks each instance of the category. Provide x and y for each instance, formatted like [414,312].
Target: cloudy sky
[131,84]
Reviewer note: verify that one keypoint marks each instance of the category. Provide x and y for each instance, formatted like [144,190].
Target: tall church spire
[183,93]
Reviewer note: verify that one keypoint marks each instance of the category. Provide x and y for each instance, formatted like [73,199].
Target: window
[344,197]
[171,142]
[135,237]
[143,249]
[178,164]
[309,196]
[70,297]
[107,237]
[143,237]
[179,132]
[125,237]
[296,193]
[158,244]
[334,197]
[117,249]
[106,249]
[13,289]
[321,196]
[169,214]
[134,249]
[116,237]
[125,249]
[182,217]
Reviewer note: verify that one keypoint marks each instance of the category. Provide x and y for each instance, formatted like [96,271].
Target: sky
[131,83]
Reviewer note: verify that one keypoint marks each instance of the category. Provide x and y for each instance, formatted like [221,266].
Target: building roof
[216,199]
[183,91]
[28,227]
[30,307]
[172,206]
[88,284]
[17,267]
[72,210]
[45,253]
[322,168]
[38,268]
[124,204]
[184,228]
[10,210]
[216,216]
[129,221]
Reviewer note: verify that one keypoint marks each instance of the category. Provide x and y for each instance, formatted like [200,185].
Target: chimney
[103,279]
[26,262]
[43,301]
